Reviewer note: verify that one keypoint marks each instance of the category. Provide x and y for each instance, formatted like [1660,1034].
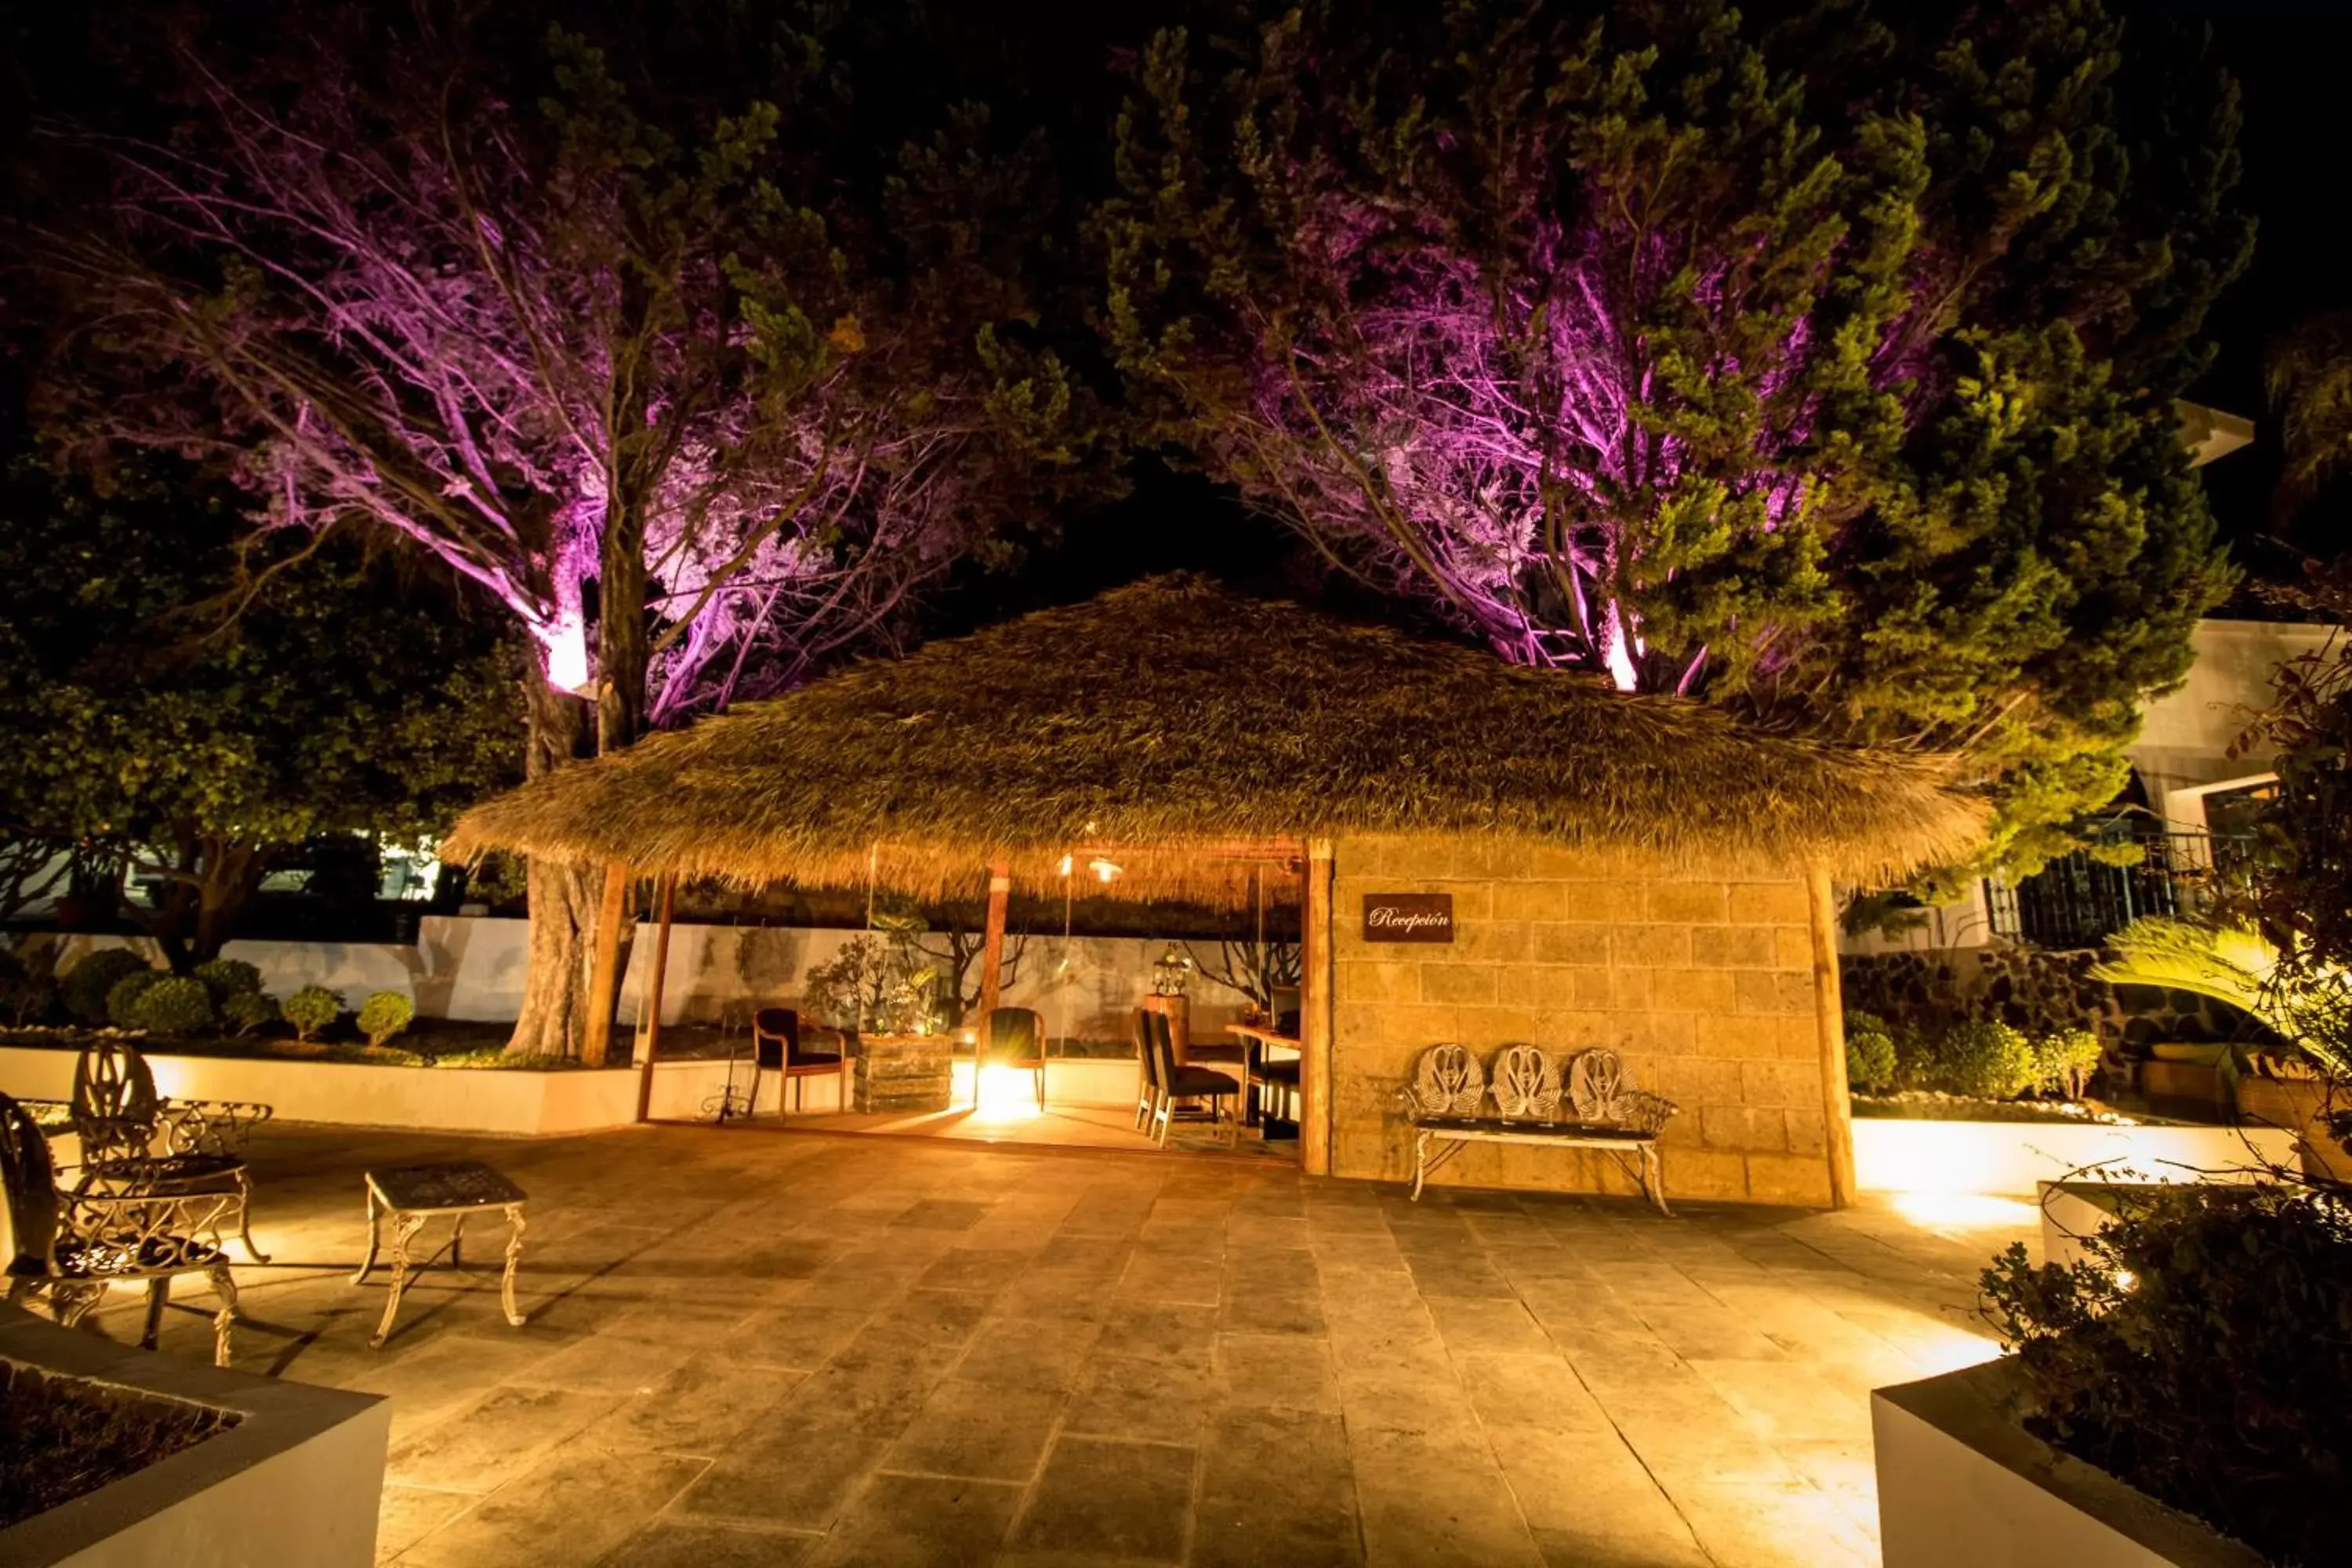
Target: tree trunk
[562,903]
[226,876]
[564,900]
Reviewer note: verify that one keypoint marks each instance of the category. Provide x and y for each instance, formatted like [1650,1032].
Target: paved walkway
[748,1347]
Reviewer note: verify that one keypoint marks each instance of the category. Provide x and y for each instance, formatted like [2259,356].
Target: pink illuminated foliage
[1822,371]
[583,365]
[702,393]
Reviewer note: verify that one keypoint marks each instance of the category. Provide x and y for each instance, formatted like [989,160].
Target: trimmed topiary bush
[2064,1061]
[383,1014]
[247,1011]
[123,1002]
[312,1009]
[87,983]
[227,977]
[1869,1053]
[1982,1061]
[173,1004]
[2199,1353]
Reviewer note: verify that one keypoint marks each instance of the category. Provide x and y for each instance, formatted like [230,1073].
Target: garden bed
[61,1437]
[1927,1106]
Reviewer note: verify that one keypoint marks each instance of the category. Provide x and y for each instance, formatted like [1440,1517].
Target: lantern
[1173,974]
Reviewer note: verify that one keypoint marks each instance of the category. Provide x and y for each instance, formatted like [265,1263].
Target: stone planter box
[1962,1484]
[297,1480]
[1898,1154]
[912,1074]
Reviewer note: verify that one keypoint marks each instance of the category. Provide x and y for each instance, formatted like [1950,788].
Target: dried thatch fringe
[1196,730]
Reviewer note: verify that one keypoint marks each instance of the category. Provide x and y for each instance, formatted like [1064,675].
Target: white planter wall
[296,1481]
[1892,1154]
[1962,1484]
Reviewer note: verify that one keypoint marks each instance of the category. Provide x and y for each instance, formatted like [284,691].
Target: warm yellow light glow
[1007,1094]
[2126,1279]
[1967,1211]
[1066,864]
[1104,869]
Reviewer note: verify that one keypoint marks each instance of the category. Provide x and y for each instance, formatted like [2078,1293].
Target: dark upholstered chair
[1014,1038]
[1175,1083]
[73,1244]
[776,1047]
[1147,1070]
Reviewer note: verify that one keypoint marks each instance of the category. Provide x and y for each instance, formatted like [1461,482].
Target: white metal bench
[1589,1107]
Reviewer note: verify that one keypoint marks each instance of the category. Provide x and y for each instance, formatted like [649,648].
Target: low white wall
[448,1099]
[477,1100]
[1961,1484]
[472,968]
[1895,1155]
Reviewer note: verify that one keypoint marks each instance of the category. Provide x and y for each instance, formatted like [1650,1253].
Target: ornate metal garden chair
[73,1244]
[134,1140]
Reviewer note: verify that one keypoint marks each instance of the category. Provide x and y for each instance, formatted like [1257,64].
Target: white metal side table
[411,1194]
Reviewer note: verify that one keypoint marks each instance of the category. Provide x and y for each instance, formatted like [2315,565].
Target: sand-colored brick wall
[1704,984]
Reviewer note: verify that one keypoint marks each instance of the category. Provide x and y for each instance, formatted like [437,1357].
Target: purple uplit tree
[1823,370]
[695,408]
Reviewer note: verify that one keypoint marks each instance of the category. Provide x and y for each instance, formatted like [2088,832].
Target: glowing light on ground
[1966,1211]
[1007,1094]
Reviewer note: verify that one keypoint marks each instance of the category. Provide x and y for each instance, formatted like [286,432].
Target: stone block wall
[1702,983]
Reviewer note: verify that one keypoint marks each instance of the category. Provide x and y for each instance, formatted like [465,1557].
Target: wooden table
[412,1195]
[1255,1040]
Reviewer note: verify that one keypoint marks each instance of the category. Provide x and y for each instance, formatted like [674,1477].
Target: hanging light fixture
[1171,975]
[1104,869]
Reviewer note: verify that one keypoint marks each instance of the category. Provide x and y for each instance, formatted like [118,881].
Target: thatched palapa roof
[1182,723]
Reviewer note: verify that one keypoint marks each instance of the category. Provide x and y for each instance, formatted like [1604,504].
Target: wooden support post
[1829,1018]
[603,972]
[653,994]
[1315,977]
[992,948]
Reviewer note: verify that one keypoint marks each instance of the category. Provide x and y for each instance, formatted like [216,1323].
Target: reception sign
[1408,916]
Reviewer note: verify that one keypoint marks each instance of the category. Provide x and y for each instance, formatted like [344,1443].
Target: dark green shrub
[383,1014]
[2063,1062]
[2200,1353]
[86,984]
[227,977]
[1869,1053]
[28,993]
[173,1004]
[1982,1061]
[247,1011]
[312,1009]
[123,1002]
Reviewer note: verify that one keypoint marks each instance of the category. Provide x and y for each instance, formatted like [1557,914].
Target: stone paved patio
[756,1348]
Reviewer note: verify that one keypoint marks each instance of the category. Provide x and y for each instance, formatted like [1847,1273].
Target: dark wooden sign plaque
[1408,916]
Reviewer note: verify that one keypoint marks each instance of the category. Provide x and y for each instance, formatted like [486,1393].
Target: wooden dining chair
[776,1047]
[1187,1083]
[1147,1070]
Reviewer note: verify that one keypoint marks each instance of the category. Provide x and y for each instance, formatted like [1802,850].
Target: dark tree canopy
[195,706]
[1824,370]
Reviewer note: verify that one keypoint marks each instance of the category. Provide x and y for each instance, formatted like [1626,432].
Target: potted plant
[2178,1395]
